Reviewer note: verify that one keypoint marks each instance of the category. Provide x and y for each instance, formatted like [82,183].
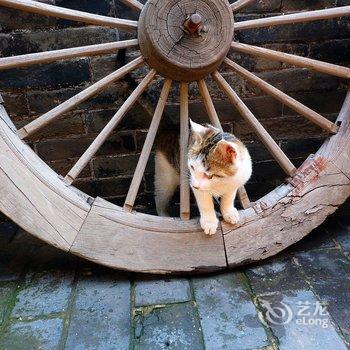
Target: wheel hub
[185,40]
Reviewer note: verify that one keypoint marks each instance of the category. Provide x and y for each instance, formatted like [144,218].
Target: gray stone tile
[39,334]
[228,316]
[151,292]
[7,291]
[329,274]
[170,327]
[275,275]
[101,315]
[43,293]
[290,315]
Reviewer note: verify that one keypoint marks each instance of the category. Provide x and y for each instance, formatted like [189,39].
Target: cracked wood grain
[177,54]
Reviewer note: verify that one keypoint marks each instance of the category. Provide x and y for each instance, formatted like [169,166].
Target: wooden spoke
[147,147]
[214,119]
[261,132]
[319,66]
[184,135]
[66,106]
[133,4]
[284,98]
[208,103]
[50,56]
[307,16]
[74,15]
[108,129]
[244,198]
[239,4]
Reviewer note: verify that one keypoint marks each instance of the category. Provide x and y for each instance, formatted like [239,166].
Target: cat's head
[213,156]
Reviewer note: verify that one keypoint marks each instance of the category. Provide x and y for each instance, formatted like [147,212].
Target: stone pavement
[297,300]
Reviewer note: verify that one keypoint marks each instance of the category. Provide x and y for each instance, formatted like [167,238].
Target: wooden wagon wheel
[180,40]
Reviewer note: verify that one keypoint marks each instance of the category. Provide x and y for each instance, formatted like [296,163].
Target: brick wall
[28,93]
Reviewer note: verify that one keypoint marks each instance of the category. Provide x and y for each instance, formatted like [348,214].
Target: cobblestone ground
[298,300]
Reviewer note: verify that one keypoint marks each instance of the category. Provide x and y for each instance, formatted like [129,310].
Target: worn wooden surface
[270,227]
[292,103]
[147,147]
[337,148]
[34,196]
[184,136]
[174,53]
[255,125]
[240,4]
[299,61]
[74,101]
[37,199]
[108,129]
[127,241]
[293,210]
[74,15]
[133,4]
[55,55]
[307,16]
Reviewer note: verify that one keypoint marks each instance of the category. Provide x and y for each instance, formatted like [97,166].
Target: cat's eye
[192,167]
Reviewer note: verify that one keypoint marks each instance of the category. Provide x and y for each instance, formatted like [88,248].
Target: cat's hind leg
[166,180]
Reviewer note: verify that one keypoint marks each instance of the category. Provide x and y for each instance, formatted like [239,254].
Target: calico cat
[218,163]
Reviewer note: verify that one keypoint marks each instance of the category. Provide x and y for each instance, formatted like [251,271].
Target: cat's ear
[227,151]
[197,131]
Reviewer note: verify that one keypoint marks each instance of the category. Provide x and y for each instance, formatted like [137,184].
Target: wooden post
[250,119]
[307,112]
[244,198]
[133,4]
[306,16]
[209,105]
[184,135]
[73,15]
[74,101]
[304,62]
[108,129]
[55,55]
[239,4]
[147,147]
[215,121]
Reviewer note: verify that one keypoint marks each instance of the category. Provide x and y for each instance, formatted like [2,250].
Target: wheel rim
[177,239]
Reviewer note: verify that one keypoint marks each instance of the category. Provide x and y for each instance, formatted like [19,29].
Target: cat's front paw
[209,226]
[231,216]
